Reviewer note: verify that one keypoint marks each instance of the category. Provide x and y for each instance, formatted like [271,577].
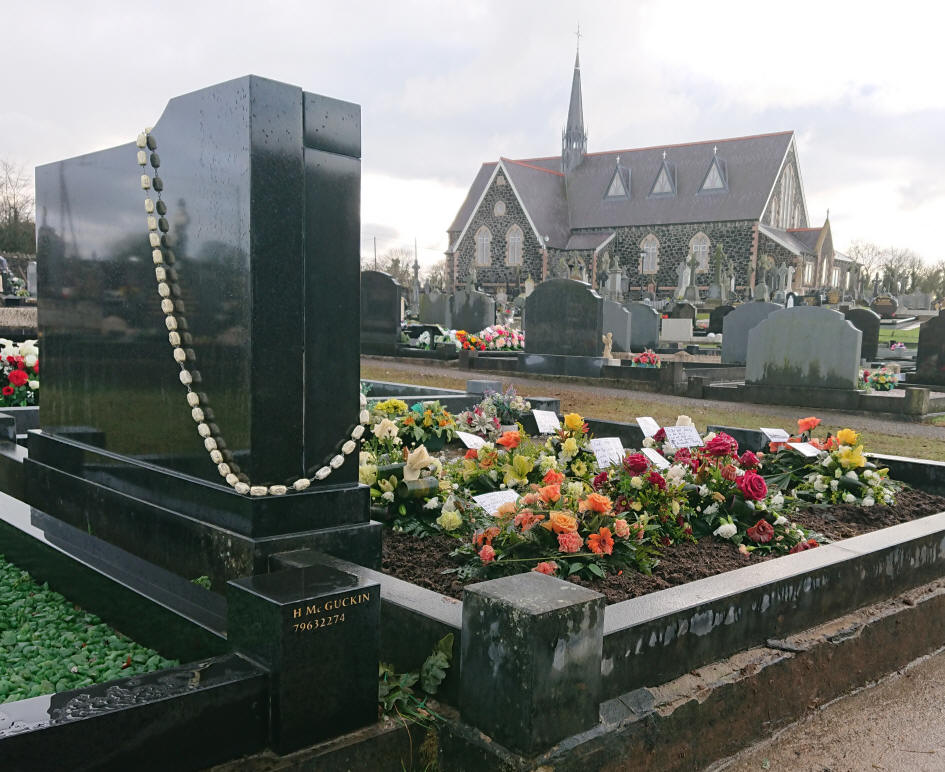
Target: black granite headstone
[930,358]
[867,322]
[380,312]
[716,315]
[644,326]
[317,630]
[471,310]
[683,310]
[617,321]
[564,316]
[886,306]
[261,181]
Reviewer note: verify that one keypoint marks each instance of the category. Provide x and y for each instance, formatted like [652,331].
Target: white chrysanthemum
[726,531]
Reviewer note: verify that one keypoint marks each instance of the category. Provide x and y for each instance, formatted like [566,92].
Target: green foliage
[49,645]
[202,581]
[396,694]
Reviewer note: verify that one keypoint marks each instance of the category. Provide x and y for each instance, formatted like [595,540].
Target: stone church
[646,210]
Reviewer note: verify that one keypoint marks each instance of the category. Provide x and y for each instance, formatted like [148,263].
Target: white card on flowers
[804,448]
[609,451]
[656,457]
[775,435]
[471,440]
[547,421]
[683,436]
[648,425]
[492,501]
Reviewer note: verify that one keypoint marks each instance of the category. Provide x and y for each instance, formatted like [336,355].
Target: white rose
[849,498]
[711,509]
[30,360]
[433,503]
[636,482]
[777,500]
[782,520]
[388,496]
[819,496]
[649,442]
[726,531]
[851,475]
[703,490]
[868,501]
[34,385]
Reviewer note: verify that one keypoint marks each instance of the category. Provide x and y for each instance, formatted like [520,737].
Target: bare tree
[868,256]
[436,274]
[398,262]
[17,230]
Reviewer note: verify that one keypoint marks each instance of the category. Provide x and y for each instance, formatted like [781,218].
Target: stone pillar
[317,630]
[531,659]
[917,401]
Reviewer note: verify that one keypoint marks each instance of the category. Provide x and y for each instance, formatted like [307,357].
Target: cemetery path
[895,725]
[584,397]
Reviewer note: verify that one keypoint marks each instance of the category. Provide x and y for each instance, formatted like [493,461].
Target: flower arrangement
[483,420]
[469,342]
[502,338]
[19,374]
[880,380]
[569,448]
[426,421]
[844,475]
[647,359]
[510,407]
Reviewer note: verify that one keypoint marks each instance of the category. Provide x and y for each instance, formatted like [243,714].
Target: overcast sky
[445,85]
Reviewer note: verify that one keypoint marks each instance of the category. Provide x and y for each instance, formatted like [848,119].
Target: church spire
[574,137]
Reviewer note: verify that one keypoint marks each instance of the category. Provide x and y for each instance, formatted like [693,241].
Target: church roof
[788,239]
[751,168]
[807,236]
[583,241]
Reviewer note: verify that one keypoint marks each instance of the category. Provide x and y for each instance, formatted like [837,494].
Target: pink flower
[635,463]
[752,485]
[487,554]
[748,460]
[621,528]
[570,542]
[546,568]
[721,445]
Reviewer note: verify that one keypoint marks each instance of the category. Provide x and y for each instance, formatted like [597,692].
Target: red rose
[8,391]
[803,545]
[761,532]
[635,463]
[748,460]
[656,479]
[752,485]
[599,481]
[18,377]
[660,436]
[729,473]
[721,445]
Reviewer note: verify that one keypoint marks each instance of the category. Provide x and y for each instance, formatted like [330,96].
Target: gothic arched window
[483,246]
[650,247]
[699,246]
[513,245]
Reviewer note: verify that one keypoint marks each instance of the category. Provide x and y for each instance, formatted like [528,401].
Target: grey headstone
[917,301]
[716,316]
[380,310]
[617,321]
[31,278]
[472,311]
[930,359]
[867,322]
[435,308]
[644,326]
[564,316]
[736,326]
[804,347]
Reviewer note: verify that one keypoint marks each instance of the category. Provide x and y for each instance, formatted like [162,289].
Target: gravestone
[735,328]
[867,322]
[31,278]
[885,305]
[917,301]
[676,331]
[804,347]
[683,310]
[471,310]
[435,308]
[716,315]
[381,297]
[263,186]
[644,326]
[617,321]
[930,358]
[565,317]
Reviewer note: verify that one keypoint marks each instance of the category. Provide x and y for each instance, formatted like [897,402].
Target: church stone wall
[498,275]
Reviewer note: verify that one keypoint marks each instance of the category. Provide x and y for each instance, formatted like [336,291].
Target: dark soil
[422,561]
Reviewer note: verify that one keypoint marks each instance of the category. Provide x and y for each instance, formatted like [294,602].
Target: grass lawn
[640,404]
[909,337]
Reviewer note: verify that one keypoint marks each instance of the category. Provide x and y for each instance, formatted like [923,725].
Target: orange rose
[560,522]
[806,424]
[553,477]
[601,543]
[505,510]
[550,493]
[509,440]
[596,503]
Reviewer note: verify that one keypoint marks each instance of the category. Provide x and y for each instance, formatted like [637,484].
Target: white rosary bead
[152,223]
[210,443]
[157,256]
[349,447]
[363,400]
[197,414]
[179,355]
[357,432]
[364,417]
[142,140]
[148,205]
[142,158]
[203,430]
[258,490]
[163,289]
[301,484]
[167,306]
[277,490]
[154,239]
[241,488]
[322,473]
[193,398]
[186,378]
[216,456]
[223,469]
[232,479]
[145,182]
[336,461]
[159,273]
[170,322]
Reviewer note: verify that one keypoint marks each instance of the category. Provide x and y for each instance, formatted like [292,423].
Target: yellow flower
[851,457]
[570,446]
[636,506]
[675,507]
[449,520]
[579,468]
[847,437]
[573,421]
[367,474]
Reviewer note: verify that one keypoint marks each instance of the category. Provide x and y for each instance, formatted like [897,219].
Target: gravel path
[553,388]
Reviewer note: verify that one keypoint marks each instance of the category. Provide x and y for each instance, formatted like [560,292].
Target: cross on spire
[578,34]
[664,155]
